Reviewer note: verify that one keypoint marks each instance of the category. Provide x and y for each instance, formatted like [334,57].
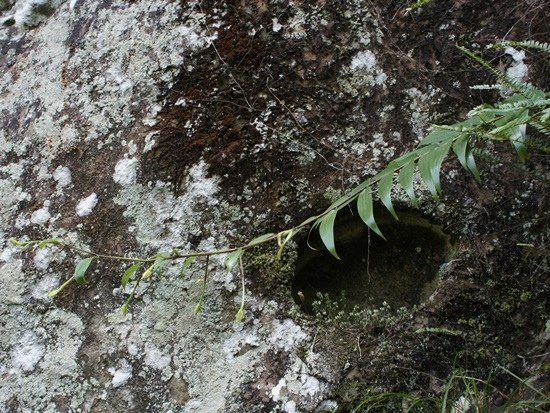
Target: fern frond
[524,44]
[486,87]
[523,103]
[543,128]
[526,89]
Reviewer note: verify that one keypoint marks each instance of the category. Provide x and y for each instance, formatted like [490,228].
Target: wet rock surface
[133,127]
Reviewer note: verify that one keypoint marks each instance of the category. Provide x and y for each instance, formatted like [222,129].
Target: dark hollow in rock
[402,271]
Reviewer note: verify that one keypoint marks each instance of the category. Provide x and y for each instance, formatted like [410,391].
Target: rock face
[136,127]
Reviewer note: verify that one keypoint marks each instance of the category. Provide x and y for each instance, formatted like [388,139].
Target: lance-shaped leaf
[459,148]
[516,135]
[159,264]
[240,315]
[53,293]
[198,306]
[406,176]
[463,151]
[442,133]
[46,242]
[261,239]
[429,166]
[232,259]
[128,274]
[186,264]
[471,164]
[80,270]
[326,231]
[385,185]
[21,243]
[366,212]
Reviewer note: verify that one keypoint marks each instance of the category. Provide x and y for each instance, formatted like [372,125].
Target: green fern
[505,120]
[524,44]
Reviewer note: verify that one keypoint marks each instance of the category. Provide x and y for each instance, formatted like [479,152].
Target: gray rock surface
[135,127]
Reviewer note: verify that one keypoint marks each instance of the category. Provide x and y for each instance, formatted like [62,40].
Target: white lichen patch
[241,337]
[40,349]
[286,334]
[299,386]
[42,257]
[365,60]
[86,205]
[40,216]
[362,75]
[62,175]
[121,374]
[164,221]
[29,13]
[126,171]
[420,109]
[27,352]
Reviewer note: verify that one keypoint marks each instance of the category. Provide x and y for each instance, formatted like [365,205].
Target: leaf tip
[197,308]
[240,315]
[53,293]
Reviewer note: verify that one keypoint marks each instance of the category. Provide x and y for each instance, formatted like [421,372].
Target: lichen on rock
[133,128]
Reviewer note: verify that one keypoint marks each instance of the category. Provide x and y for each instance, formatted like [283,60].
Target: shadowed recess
[402,271]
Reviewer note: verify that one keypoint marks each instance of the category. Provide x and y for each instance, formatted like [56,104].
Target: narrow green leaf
[159,264]
[459,148]
[508,121]
[384,192]
[406,176]
[471,164]
[260,240]
[440,134]
[53,293]
[429,166]
[128,274]
[124,309]
[516,135]
[21,243]
[198,307]
[463,151]
[403,159]
[80,270]
[240,315]
[186,264]
[232,259]
[46,242]
[365,210]
[147,273]
[326,231]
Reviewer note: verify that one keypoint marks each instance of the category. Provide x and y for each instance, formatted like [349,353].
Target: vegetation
[461,393]
[526,106]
